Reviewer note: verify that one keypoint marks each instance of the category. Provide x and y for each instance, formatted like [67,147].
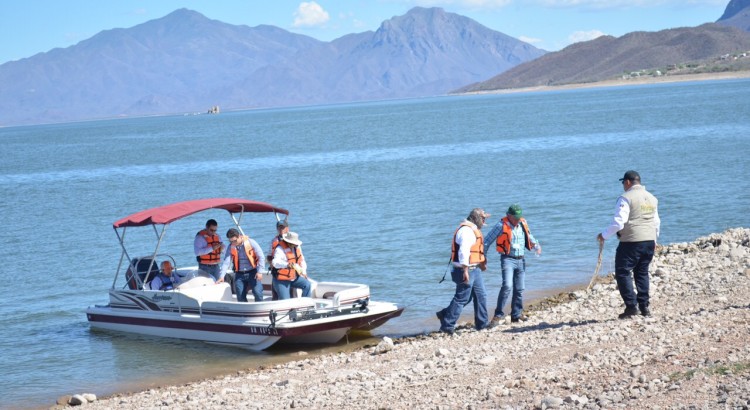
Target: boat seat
[140,267]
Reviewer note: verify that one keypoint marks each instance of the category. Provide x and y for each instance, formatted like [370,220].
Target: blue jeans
[283,287]
[514,271]
[635,257]
[473,290]
[212,270]
[244,281]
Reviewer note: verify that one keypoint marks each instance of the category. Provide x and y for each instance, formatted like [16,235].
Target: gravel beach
[573,353]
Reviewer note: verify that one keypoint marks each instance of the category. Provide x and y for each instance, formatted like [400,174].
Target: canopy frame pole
[121,240]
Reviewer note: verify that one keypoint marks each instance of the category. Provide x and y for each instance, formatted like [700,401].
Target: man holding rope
[637,224]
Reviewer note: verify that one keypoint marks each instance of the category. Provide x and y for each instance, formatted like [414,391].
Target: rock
[550,402]
[63,400]
[486,361]
[77,400]
[385,345]
[442,352]
[90,397]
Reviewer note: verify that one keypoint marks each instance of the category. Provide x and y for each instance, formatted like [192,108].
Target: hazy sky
[28,27]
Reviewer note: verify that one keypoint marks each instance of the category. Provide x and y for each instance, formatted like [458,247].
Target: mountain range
[607,57]
[185,62]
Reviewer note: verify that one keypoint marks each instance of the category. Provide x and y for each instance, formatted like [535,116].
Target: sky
[28,27]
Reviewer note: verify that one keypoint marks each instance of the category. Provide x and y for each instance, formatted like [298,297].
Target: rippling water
[375,191]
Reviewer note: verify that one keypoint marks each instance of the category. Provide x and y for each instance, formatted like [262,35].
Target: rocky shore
[573,353]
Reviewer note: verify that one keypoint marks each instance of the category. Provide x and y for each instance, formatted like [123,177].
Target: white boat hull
[208,312]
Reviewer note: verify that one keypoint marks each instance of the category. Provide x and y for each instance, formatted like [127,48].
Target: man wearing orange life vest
[282,227]
[468,260]
[208,246]
[290,267]
[511,236]
[247,259]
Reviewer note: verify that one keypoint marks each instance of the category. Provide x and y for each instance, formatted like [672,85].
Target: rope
[598,266]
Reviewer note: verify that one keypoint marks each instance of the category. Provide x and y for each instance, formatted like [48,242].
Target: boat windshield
[186,275]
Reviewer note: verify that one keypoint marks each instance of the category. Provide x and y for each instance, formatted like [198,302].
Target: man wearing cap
[247,259]
[282,227]
[636,223]
[511,237]
[468,260]
[208,246]
[291,267]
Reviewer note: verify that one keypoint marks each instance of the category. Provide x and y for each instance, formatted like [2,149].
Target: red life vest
[503,240]
[249,252]
[214,256]
[477,249]
[292,256]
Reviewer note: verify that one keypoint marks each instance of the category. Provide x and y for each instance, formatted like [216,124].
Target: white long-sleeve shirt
[280,261]
[465,239]
[622,213]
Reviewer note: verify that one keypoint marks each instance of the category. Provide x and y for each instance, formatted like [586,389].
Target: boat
[198,308]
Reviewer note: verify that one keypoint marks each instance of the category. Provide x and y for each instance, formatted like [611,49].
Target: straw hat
[291,238]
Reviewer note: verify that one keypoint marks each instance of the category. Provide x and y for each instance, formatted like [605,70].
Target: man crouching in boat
[290,267]
[164,280]
[247,260]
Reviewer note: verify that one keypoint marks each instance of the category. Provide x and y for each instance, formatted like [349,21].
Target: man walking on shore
[511,236]
[637,224]
[467,257]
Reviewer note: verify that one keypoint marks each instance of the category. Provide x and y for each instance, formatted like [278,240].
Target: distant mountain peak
[734,7]
[186,62]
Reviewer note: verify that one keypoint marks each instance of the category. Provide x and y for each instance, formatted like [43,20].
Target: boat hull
[250,328]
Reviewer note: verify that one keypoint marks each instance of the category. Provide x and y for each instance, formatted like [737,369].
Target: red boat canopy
[172,212]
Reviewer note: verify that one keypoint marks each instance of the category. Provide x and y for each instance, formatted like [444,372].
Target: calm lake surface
[375,191]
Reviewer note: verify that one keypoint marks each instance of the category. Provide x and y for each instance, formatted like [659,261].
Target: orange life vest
[292,256]
[274,243]
[214,256]
[503,240]
[249,251]
[477,249]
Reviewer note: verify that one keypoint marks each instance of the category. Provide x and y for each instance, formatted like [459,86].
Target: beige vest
[640,226]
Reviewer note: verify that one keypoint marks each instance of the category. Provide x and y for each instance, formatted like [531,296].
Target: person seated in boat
[290,267]
[246,257]
[164,280]
[282,227]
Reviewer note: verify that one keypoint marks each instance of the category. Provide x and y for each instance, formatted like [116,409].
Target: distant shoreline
[733,75]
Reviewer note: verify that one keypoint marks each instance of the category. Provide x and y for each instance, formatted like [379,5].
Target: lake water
[375,190]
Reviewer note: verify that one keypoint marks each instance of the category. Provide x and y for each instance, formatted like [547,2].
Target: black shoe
[440,315]
[629,311]
[645,311]
[521,318]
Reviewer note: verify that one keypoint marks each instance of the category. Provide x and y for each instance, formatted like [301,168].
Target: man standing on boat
[637,224]
[467,257]
[282,227]
[208,247]
[247,259]
[291,267]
